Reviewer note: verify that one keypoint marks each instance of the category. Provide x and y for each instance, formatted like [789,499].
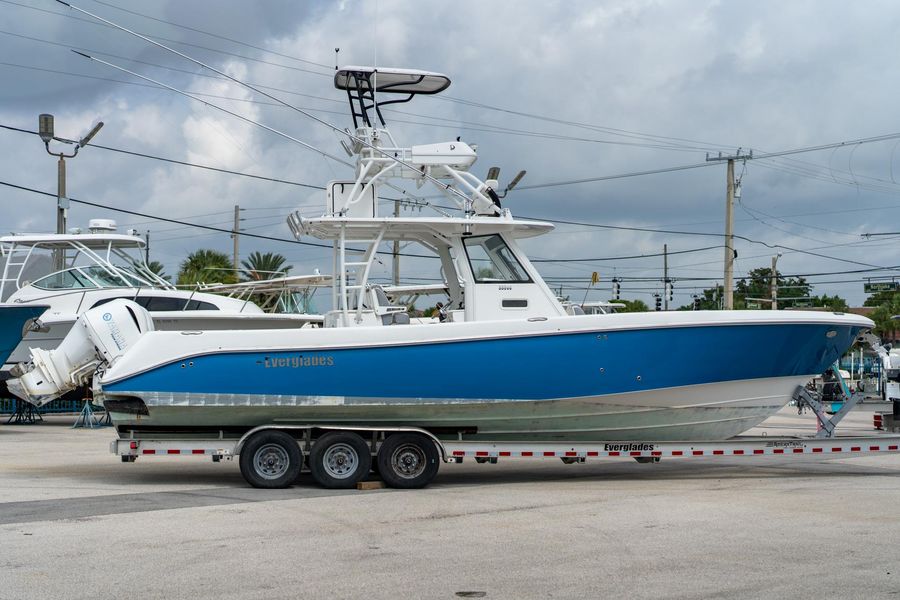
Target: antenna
[375,67]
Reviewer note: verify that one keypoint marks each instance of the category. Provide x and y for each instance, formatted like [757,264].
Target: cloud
[631,86]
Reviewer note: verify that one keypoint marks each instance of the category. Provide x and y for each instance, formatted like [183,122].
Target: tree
[757,285]
[879,298]
[259,266]
[158,268]
[887,305]
[632,306]
[206,266]
[832,303]
[886,327]
[710,299]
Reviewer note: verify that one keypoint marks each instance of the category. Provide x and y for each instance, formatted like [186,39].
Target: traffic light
[658,299]
[670,289]
[696,302]
[616,288]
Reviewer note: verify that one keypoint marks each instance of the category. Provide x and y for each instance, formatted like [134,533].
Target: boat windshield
[88,277]
[492,261]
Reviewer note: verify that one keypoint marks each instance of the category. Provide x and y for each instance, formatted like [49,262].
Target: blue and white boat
[505,361]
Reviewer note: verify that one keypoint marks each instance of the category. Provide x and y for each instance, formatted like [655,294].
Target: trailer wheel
[340,459]
[271,459]
[408,460]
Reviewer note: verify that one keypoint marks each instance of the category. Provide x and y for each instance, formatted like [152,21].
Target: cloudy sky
[568,91]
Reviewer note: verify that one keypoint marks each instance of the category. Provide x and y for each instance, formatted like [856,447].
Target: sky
[575,93]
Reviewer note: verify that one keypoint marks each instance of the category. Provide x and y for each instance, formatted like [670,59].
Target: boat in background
[68,274]
[507,361]
[15,321]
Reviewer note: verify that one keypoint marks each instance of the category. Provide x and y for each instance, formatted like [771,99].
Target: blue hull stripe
[564,365]
[12,321]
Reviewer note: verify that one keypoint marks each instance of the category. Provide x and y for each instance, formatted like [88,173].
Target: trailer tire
[271,460]
[408,460]
[340,460]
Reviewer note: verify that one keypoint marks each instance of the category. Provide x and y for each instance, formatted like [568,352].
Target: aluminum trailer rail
[341,456]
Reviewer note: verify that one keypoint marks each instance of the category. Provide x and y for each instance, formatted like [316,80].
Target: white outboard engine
[98,337]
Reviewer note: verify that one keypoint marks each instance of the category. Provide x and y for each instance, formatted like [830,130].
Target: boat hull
[710,411]
[13,319]
[685,382]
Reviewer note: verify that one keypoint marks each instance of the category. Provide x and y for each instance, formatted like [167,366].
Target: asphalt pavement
[77,523]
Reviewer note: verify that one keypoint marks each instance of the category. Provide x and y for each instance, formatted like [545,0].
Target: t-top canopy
[390,80]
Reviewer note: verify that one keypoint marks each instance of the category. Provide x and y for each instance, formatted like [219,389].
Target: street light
[45,131]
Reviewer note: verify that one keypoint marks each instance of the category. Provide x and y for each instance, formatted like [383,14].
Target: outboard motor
[98,337]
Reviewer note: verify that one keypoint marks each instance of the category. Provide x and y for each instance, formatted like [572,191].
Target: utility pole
[665,277]
[396,257]
[235,236]
[729,223]
[147,249]
[774,281]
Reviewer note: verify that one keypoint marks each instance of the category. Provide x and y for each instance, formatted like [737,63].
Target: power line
[571,260]
[558,221]
[214,35]
[180,43]
[183,163]
[197,225]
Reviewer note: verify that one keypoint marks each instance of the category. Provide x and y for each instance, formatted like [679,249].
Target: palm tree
[885,326]
[259,266]
[158,268]
[206,266]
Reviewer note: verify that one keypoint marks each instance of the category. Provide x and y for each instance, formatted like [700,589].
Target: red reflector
[837,449]
[855,449]
[892,447]
[198,451]
[549,453]
[718,452]
[656,453]
[506,453]
[677,453]
[133,445]
[634,454]
[458,453]
[738,451]
[798,450]
[614,454]
[480,453]
[526,453]
[149,451]
[875,448]
[698,452]
[173,452]
[593,454]
[817,449]
[571,454]
[778,451]
[759,452]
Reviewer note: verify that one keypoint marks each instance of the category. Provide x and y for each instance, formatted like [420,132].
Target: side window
[162,303]
[492,261]
[105,300]
[201,305]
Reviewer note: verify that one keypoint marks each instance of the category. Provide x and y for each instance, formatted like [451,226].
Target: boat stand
[26,413]
[827,424]
[89,420]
